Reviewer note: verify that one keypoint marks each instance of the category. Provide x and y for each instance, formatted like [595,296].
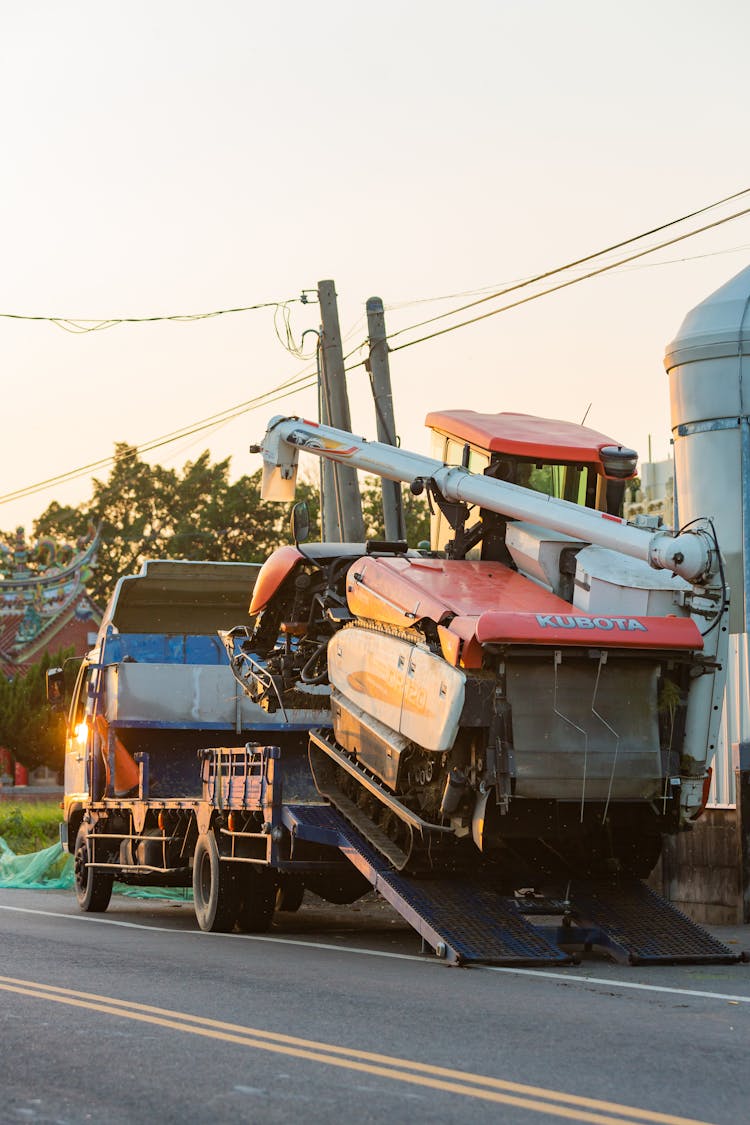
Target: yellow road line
[486,1088]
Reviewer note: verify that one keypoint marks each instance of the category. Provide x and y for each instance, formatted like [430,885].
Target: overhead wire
[553,288]
[577,262]
[82,325]
[397,306]
[691,257]
[297,382]
[282,325]
[206,425]
[305,380]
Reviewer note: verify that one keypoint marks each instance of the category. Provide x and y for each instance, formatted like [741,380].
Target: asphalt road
[136,1016]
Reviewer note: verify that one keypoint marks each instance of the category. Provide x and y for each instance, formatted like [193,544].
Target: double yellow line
[536,1099]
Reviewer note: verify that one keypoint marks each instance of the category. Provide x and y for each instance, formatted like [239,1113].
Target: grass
[29,828]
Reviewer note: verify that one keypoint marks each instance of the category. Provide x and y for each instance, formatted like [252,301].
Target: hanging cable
[307,379]
[82,325]
[576,262]
[207,425]
[561,285]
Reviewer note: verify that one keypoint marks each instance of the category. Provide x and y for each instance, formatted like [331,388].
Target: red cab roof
[522,435]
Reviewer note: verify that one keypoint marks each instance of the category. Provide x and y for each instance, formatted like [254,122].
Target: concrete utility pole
[330,526]
[335,404]
[380,378]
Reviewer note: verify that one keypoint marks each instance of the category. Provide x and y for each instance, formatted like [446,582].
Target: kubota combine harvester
[538,695]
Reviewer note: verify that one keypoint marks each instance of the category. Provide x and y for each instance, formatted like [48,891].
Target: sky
[167,158]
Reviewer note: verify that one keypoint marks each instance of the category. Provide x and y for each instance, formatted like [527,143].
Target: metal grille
[476,924]
[646,928]
[583,731]
[472,921]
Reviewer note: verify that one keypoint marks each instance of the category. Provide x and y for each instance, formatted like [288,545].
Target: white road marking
[429,961]
[96,919]
[619,984]
[87,918]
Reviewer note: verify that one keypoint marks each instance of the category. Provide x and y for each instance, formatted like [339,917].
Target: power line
[571,265]
[81,325]
[307,379]
[398,306]
[299,382]
[555,288]
[207,424]
[90,324]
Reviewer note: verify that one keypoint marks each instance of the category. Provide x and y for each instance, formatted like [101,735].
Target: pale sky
[168,157]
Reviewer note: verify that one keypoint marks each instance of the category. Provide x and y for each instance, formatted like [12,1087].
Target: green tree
[29,727]
[416,513]
[147,511]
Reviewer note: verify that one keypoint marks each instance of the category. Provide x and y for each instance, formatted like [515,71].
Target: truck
[159,732]
[498,728]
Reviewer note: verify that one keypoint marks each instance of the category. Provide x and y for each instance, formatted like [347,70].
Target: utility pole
[335,410]
[380,379]
[329,515]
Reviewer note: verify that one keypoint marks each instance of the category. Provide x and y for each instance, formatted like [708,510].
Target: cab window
[453,452]
[576,483]
[80,696]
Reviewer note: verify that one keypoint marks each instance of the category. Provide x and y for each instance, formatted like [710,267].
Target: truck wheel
[290,893]
[93,887]
[257,901]
[214,887]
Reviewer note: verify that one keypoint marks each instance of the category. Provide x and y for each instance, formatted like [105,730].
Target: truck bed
[189,697]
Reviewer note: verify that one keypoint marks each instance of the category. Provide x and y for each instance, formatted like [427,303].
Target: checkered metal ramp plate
[467,920]
[644,928]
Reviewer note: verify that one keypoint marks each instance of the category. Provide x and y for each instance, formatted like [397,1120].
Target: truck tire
[291,891]
[257,902]
[93,887]
[214,888]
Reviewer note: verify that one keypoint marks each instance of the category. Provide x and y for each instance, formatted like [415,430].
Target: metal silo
[708,364]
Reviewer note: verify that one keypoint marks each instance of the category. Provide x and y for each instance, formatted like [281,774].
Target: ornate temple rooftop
[44,605]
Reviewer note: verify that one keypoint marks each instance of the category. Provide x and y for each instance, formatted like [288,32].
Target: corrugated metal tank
[708,364]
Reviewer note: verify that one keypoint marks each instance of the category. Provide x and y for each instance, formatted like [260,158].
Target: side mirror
[300,522]
[56,688]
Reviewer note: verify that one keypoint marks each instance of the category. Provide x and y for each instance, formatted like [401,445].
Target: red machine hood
[480,603]
[273,572]
[402,590]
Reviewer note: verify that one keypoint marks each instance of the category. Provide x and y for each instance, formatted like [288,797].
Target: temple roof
[44,605]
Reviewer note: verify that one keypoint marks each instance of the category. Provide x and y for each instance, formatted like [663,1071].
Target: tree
[147,511]
[29,727]
[416,513]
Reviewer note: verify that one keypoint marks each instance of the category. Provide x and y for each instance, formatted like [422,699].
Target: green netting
[179,894]
[52,870]
[49,870]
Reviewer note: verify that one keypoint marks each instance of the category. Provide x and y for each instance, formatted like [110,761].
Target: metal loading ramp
[465,921]
[635,925]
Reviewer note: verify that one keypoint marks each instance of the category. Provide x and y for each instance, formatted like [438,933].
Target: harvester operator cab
[559,459]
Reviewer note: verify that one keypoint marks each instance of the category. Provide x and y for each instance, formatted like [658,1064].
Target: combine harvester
[519,716]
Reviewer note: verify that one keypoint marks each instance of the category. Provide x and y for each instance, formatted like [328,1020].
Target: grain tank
[708,364]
